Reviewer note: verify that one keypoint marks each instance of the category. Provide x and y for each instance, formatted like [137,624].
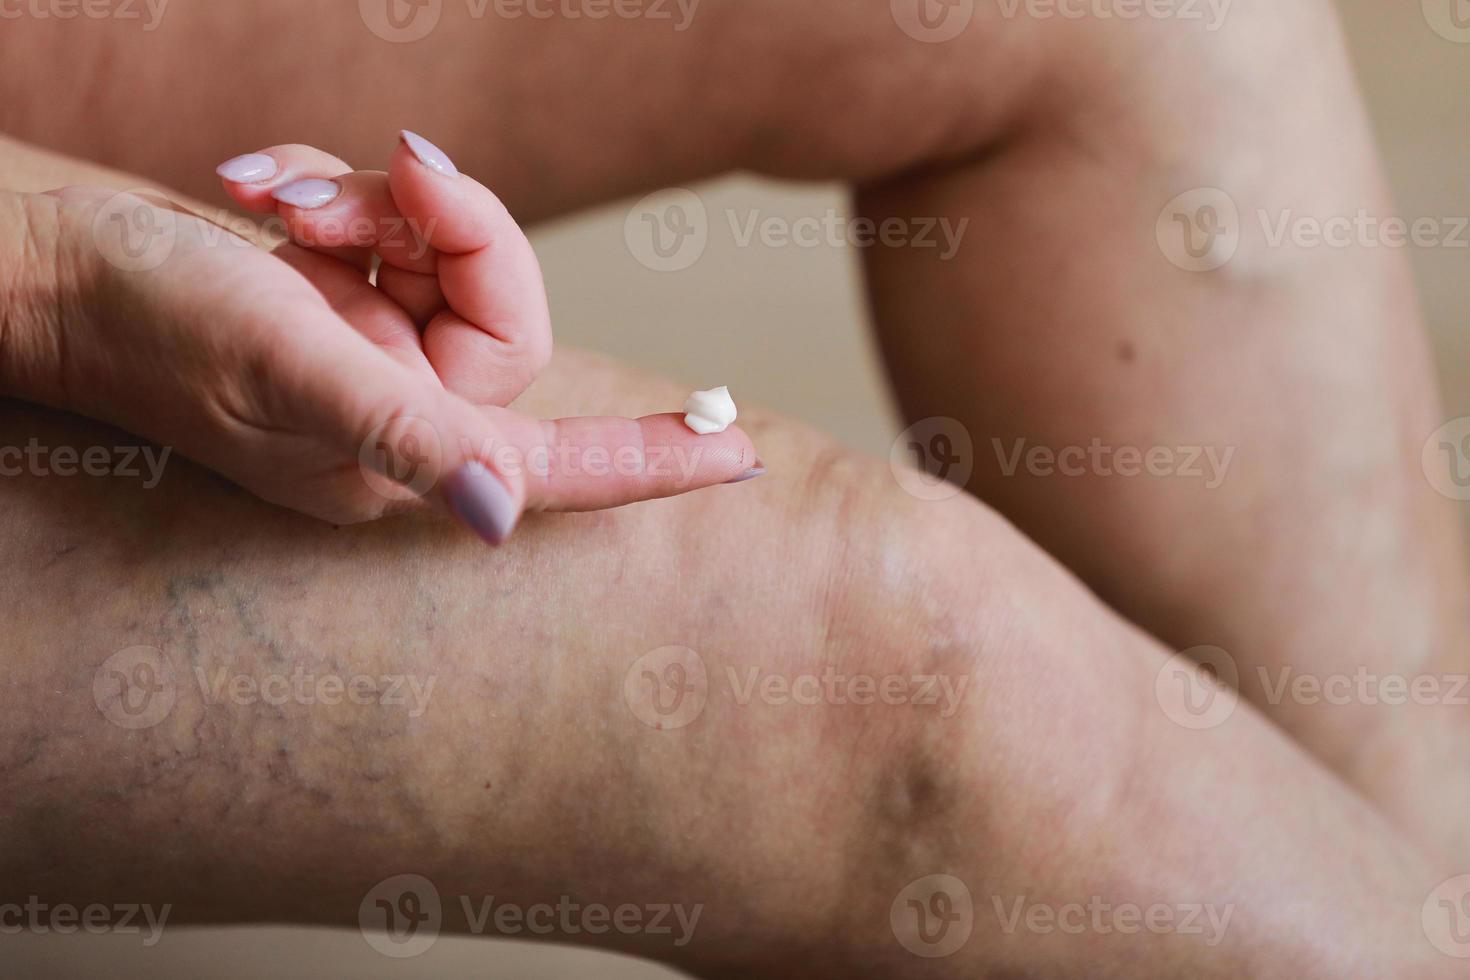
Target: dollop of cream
[707,412]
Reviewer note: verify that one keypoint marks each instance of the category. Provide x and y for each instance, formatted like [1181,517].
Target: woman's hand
[307,382]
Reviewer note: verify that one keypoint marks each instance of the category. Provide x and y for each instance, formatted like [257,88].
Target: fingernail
[478,498]
[429,154]
[251,168]
[313,192]
[759,469]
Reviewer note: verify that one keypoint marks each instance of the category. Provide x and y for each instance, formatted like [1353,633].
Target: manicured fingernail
[478,498]
[429,154]
[759,469]
[251,168]
[313,192]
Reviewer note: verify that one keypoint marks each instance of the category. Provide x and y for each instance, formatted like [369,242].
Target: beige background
[785,327]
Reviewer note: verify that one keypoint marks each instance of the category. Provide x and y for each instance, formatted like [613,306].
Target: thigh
[789,704]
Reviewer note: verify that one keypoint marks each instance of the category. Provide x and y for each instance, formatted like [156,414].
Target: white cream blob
[707,412]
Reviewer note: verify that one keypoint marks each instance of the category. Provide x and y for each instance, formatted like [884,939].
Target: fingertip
[307,194]
[459,214]
[756,471]
[248,168]
[427,154]
[718,458]
[482,502]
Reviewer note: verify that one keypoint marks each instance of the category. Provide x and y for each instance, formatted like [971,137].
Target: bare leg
[1323,551]
[533,763]
[1304,540]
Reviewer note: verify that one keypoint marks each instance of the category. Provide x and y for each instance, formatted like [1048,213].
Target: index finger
[584,464]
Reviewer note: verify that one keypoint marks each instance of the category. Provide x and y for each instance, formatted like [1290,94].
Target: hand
[308,382]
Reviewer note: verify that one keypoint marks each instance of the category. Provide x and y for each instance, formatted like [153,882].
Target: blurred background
[786,327]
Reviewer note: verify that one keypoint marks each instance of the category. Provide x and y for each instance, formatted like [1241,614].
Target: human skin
[1062,139]
[527,775]
[1057,780]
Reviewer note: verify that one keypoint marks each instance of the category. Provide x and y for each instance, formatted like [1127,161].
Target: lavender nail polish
[478,498]
[251,168]
[759,469]
[428,154]
[313,192]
